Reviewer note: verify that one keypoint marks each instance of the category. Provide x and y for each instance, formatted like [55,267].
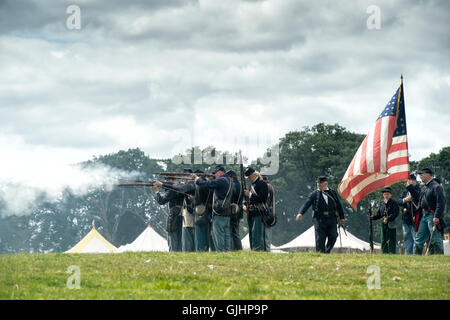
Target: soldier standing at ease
[431,201]
[271,206]
[326,207]
[257,197]
[388,210]
[408,214]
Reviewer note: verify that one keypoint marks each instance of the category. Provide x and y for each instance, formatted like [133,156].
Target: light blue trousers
[221,233]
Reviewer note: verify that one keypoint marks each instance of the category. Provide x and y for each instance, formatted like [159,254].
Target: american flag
[382,158]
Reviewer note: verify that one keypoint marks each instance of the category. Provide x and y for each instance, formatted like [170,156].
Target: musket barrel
[183,175]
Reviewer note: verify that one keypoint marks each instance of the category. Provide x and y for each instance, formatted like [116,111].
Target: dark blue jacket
[319,205]
[188,188]
[204,196]
[389,210]
[406,207]
[431,197]
[261,192]
[173,198]
[219,185]
[238,194]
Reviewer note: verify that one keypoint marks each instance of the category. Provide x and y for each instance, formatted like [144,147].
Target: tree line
[121,214]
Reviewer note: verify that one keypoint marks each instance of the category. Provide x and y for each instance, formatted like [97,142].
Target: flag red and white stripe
[382,158]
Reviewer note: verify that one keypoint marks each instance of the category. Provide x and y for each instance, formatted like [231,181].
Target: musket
[371,228]
[184,175]
[141,183]
[135,183]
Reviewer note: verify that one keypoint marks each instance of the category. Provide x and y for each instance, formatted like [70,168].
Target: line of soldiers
[422,215]
[204,214]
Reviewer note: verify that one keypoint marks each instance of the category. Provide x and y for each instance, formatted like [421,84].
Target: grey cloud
[160,62]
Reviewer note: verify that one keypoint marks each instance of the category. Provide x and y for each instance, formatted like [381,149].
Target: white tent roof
[93,242]
[307,240]
[149,240]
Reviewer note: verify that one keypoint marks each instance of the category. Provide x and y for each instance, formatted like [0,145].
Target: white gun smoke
[19,194]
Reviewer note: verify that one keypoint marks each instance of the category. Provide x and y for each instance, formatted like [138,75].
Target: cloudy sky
[164,75]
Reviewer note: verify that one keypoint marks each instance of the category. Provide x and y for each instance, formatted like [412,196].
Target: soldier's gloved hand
[407,199]
[155,188]
[298,217]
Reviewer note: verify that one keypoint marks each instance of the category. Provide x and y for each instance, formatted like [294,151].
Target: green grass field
[233,275]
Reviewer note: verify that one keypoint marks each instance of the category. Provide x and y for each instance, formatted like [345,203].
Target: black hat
[412,176]
[321,179]
[187,170]
[387,189]
[198,171]
[231,173]
[249,172]
[425,170]
[219,168]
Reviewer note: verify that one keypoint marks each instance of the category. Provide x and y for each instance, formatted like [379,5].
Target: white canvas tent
[246,244]
[307,241]
[447,247]
[93,242]
[148,240]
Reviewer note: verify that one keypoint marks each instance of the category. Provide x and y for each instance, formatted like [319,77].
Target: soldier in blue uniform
[202,216]
[237,212]
[222,192]
[388,211]
[187,191]
[408,208]
[174,219]
[257,197]
[431,201]
[326,207]
[271,205]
